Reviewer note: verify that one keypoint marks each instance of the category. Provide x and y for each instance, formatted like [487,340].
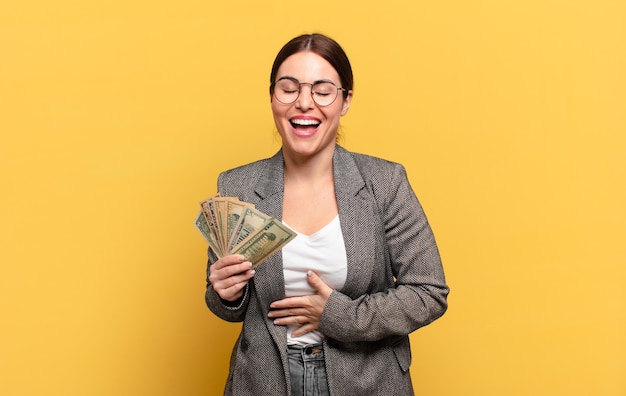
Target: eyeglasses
[287,90]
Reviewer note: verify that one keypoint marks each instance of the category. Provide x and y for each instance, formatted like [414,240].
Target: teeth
[303,122]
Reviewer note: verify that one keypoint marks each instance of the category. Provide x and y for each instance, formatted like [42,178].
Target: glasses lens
[324,93]
[286,91]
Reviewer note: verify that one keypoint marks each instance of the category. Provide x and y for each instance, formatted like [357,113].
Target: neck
[309,169]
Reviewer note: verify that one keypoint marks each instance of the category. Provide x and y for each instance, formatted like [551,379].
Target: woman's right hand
[229,275]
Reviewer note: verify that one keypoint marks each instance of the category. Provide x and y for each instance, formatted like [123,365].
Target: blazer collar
[348,179]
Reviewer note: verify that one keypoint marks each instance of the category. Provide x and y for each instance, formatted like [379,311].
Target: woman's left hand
[305,311]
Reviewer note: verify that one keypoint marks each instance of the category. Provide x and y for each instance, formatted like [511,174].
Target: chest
[308,209]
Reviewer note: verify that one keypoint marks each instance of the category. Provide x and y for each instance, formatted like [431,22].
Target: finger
[230,281]
[217,273]
[291,320]
[232,293]
[229,260]
[318,284]
[289,302]
[233,286]
[314,280]
[304,329]
[235,269]
[285,313]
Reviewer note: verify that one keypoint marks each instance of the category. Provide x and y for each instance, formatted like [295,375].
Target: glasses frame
[300,84]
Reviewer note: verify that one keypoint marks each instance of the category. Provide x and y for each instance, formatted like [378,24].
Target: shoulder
[376,170]
[370,163]
[262,177]
[245,171]
[239,180]
[382,179]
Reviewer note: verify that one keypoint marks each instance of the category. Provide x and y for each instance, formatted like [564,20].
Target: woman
[330,314]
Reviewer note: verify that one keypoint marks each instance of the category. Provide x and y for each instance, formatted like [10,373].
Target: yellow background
[116,117]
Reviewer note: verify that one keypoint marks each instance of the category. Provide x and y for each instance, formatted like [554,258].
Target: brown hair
[323,46]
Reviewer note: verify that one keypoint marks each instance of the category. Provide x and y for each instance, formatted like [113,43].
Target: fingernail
[253,272]
[309,273]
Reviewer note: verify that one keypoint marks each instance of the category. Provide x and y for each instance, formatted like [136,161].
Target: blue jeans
[307,370]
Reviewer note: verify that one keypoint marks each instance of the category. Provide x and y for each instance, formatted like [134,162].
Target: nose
[305,99]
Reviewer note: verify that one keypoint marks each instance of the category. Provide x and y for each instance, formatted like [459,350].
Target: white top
[322,252]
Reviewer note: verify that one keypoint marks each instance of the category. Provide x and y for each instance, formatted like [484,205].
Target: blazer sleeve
[419,295]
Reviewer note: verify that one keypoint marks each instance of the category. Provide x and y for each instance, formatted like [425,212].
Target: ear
[346,103]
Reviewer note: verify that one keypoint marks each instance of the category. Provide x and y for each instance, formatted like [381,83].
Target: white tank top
[323,252]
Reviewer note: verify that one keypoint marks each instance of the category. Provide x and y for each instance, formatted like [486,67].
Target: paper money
[236,212]
[231,226]
[265,242]
[250,221]
[211,218]
[205,230]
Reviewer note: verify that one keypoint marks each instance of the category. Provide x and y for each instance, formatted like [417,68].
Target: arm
[420,293]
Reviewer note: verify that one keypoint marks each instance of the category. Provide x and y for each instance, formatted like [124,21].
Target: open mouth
[300,123]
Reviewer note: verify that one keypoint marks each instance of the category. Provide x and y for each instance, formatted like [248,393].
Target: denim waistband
[311,349]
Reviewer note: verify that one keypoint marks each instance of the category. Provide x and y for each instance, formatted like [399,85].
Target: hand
[305,311]
[229,275]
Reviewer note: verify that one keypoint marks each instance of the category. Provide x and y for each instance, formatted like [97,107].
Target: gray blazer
[395,283]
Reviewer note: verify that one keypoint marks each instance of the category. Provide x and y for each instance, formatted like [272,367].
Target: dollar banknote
[205,230]
[235,214]
[210,214]
[250,221]
[265,242]
[231,226]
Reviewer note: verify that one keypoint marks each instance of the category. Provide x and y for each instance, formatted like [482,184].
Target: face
[305,127]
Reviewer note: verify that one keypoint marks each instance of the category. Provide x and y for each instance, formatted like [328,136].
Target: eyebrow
[314,82]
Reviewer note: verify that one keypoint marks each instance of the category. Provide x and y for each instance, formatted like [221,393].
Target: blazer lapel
[269,280]
[356,217]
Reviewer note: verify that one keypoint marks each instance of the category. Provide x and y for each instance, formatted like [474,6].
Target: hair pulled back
[323,46]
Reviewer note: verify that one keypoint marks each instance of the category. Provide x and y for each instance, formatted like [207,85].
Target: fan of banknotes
[231,226]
